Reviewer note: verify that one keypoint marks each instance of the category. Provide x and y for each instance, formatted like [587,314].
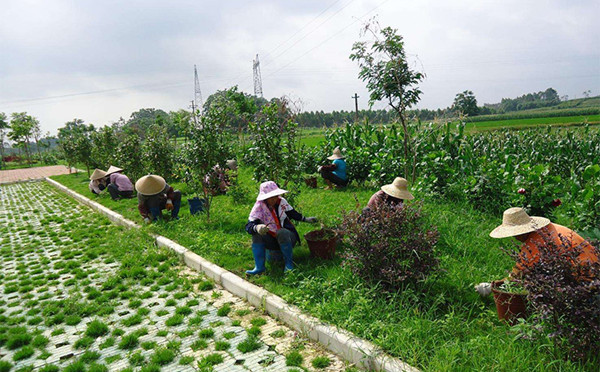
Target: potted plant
[511,299]
[322,243]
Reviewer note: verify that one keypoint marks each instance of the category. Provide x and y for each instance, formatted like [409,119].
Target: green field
[533,122]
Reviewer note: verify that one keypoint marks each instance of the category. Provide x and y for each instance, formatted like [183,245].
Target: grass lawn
[440,325]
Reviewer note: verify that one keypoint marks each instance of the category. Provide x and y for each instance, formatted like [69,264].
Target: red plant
[522,191]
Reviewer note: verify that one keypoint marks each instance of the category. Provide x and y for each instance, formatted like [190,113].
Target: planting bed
[78,293]
[442,324]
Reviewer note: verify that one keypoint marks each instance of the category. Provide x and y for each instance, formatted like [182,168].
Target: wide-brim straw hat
[98,173]
[268,190]
[398,189]
[112,169]
[337,154]
[516,221]
[150,184]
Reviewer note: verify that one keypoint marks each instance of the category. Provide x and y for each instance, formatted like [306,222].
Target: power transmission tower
[197,92]
[257,79]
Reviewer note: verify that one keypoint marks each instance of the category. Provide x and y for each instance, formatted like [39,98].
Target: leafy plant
[158,152]
[389,246]
[565,293]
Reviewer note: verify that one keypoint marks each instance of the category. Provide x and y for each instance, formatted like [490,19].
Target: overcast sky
[102,60]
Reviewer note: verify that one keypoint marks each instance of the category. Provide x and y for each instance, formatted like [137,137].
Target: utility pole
[257,78]
[355,97]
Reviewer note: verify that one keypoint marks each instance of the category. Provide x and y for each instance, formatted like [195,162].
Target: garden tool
[286,251]
[258,251]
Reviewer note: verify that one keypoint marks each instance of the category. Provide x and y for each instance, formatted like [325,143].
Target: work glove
[261,229]
[310,219]
[147,220]
[169,205]
[484,289]
[319,168]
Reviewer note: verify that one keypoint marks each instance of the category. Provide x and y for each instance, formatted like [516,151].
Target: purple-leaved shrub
[564,292]
[389,246]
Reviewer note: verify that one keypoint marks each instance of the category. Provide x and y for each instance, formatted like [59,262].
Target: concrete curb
[353,349]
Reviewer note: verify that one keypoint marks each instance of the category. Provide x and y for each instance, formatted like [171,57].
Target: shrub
[565,294]
[389,246]
[158,152]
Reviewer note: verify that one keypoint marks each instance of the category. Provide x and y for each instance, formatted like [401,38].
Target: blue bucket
[196,205]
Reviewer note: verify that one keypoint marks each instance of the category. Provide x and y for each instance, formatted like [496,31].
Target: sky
[102,60]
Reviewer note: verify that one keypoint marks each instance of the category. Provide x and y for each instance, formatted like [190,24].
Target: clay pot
[311,182]
[510,306]
[322,243]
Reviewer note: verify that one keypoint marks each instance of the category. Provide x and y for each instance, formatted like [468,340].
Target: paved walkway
[14,175]
[80,293]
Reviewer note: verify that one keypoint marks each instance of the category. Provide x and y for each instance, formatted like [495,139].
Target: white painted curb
[353,349]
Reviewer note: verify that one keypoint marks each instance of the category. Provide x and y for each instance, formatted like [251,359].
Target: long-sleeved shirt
[121,181]
[146,201]
[287,224]
[94,185]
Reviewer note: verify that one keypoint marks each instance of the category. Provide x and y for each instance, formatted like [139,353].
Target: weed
[229,335]
[48,368]
[132,320]
[199,345]
[39,341]
[148,345]
[96,329]
[162,356]
[278,333]
[294,359]
[224,310]
[72,320]
[118,332]
[24,353]
[258,322]
[162,312]
[254,331]
[321,362]
[94,367]
[206,333]
[107,343]
[150,368]
[174,321]
[137,359]
[210,360]
[128,342]
[186,360]
[222,345]
[242,312]
[89,356]
[251,343]
[84,342]
[186,333]
[77,366]
[162,333]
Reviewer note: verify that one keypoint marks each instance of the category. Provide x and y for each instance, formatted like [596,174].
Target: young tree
[385,69]
[210,147]
[22,126]
[74,141]
[4,126]
[104,146]
[465,103]
[158,152]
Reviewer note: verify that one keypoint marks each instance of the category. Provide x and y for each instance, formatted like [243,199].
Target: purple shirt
[121,181]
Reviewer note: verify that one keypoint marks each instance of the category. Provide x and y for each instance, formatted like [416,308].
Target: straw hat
[337,154]
[150,184]
[98,173]
[516,221]
[232,164]
[112,169]
[398,189]
[268,190]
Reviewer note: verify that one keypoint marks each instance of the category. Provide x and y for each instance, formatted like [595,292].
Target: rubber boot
[175,211]
[274,256]
[258,251]
[155,212]
[286,251]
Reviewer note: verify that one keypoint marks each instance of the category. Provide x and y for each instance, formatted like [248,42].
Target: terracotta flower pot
[311,182]
[510,306]
[322,243]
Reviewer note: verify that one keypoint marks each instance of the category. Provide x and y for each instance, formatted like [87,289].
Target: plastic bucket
[510,306]
[322,243]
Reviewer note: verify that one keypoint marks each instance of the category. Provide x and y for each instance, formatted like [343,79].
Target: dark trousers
[284,236]
[115,193]
[157,204]
[328,175]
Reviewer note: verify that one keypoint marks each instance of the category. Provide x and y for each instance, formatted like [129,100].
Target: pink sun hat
[269,189]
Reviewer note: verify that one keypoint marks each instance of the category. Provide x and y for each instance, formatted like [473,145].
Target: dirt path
[14,175]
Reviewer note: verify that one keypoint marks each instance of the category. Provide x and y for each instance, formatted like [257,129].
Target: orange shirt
[553,231]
